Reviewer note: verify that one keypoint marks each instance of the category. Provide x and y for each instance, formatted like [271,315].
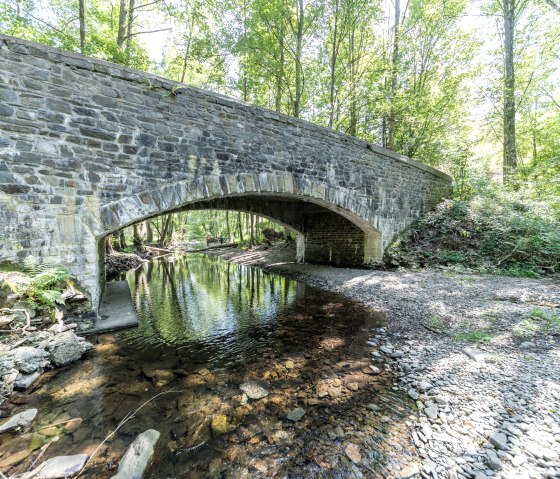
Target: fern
[45,289]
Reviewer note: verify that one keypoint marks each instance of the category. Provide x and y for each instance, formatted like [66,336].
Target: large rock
[138,456]
[62,467]
[20,420]
[67,348]
[27,360]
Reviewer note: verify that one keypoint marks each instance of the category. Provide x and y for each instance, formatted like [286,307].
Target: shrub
[498,232]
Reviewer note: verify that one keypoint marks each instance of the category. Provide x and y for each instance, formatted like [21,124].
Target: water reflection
[197,302]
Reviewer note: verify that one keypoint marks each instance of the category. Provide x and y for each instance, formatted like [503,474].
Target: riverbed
[244,373]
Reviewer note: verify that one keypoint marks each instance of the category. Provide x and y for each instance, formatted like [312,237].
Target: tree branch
[553,5]
[148,31]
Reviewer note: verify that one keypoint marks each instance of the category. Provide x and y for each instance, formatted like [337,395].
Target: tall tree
[509,9]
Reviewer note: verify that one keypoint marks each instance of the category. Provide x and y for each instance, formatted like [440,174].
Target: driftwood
[159,250]
[226,245]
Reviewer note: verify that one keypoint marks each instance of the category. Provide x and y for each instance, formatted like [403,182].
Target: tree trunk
[227,225]
[391,120]
[82,20]
[122,240]
[252,237]
[19,11]
[510,147]
[240,226]
[109,249]
[353,88]
[137,237]
[129,23]
[334,57]
[280,73]
[149,232]
[121,32]
[298,58]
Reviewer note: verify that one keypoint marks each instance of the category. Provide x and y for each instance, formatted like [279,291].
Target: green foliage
[45,289]
[504,233]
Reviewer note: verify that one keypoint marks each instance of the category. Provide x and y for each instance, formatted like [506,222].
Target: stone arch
[351,239]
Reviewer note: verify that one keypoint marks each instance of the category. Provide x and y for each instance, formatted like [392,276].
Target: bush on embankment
[495,232]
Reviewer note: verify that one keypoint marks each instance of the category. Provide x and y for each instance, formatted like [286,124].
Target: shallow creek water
[206,327]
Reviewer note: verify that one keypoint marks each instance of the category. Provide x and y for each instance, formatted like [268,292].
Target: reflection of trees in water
[195,297]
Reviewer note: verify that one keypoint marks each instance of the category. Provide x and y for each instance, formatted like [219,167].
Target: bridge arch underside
[324,235]
[325,232]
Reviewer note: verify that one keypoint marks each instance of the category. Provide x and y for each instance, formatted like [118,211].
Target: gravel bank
[480,356]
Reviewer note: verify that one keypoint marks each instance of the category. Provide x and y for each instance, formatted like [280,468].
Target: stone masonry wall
[87,147]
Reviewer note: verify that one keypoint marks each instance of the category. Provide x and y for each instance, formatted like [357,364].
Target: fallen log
[226,245]
[159,250]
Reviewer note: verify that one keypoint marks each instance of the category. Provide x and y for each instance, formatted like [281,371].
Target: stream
[207,329]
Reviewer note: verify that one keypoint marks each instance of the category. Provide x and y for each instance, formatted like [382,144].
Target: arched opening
[325,233]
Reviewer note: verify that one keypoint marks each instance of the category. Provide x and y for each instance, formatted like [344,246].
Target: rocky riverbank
[478,355]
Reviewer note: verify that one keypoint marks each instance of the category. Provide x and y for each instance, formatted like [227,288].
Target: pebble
[353,453]
[254,389]
[296,414]
[499,440]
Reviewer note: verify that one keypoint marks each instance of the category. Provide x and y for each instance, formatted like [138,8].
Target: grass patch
[474,335]
[537,322]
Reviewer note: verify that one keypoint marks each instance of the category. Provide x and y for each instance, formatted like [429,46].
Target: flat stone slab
[22,419]
[138,456]
[62,467]
[475,354]
[117,309]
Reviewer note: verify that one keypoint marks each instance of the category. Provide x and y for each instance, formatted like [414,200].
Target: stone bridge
[88,147]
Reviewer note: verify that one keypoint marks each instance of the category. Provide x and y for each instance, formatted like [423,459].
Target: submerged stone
[219,425]
[353,453]
[296,414]
[254,389]
[62,467]
[138,456]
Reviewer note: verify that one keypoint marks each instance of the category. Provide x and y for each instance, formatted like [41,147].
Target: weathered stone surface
[67,348]
[62,466]
[135,150]
[28,360]
[499,440]
[353,453]
[138,456]
[19,420]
